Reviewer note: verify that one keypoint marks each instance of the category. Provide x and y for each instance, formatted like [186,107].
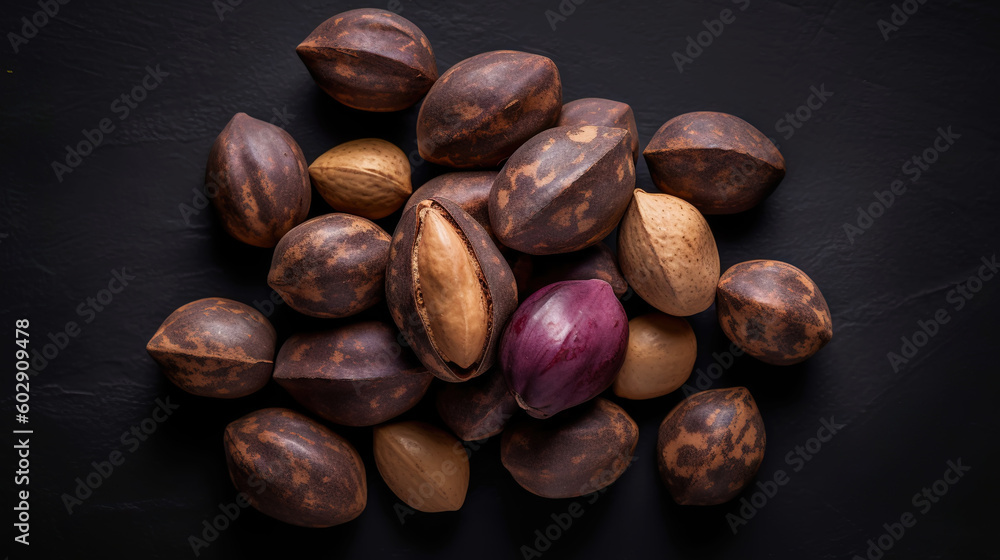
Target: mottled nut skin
[355,375]
[594,262]
[773,311]
[423,465]
[719,163]
[368,177]
[477,409]
[564,190]
[295,469]
[601,112]
[710,446]
[661,353]
[486,106]
[468,189]
[331,266]
[259,181]
[370,59]
[215,347]
[401,289]
[668,254]
[572,454]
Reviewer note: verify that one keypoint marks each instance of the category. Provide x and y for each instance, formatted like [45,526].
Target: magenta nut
[564,346]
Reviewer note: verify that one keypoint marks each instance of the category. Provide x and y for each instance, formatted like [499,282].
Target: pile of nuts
[544,184]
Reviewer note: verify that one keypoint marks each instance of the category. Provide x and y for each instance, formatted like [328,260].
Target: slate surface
[65,235]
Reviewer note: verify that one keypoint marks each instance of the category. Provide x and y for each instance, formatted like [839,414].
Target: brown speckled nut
[331,266]
[710,446]
[355,375]
[773,311]
[594,262]
[407,302]
[477,409]
[563,190]
[601,112]
[370,59]
[258,180]
[468,189]
[572,454]
[295,469]
[484,107]
[719,163]
[215,347]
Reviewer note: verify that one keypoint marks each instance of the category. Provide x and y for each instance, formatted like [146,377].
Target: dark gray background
[60,240]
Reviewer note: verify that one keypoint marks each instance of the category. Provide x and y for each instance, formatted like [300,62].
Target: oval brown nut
[486,106]
[572,454]
[710,446]
[331,266]
[355,375]
[215,347]
[295,469]
[719,163]
[601,112]
[564,190]
[477,409]
[448,288]
[424,466]
[773,311]
[468,189]
[668,255]
[370,59]
[368,177]
[594,262]
[260,181]
[661,353]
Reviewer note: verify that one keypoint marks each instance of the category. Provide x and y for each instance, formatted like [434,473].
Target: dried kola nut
[295,469]
[573,454]
[596,262]
[719,163]
[370,59]
[215,347]
[773,311]
[486,106]
[710,446]
[478,408]
[368,177]
[468,189]
[356,375]
[258,181]
[668,254]
[448,289]
[331,266]
[601,112]
[424,466]
[563,190]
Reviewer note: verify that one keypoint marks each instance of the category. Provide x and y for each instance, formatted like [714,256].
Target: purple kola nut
[563,346]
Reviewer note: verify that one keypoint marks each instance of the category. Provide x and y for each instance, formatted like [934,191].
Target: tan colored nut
[424,466]
[368,177]
[661,352]
[667,253]
[454,301]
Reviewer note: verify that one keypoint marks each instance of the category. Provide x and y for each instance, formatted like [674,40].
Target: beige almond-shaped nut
[423,465]
[661,352]
[667,253]
[368,177]
[454,299]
